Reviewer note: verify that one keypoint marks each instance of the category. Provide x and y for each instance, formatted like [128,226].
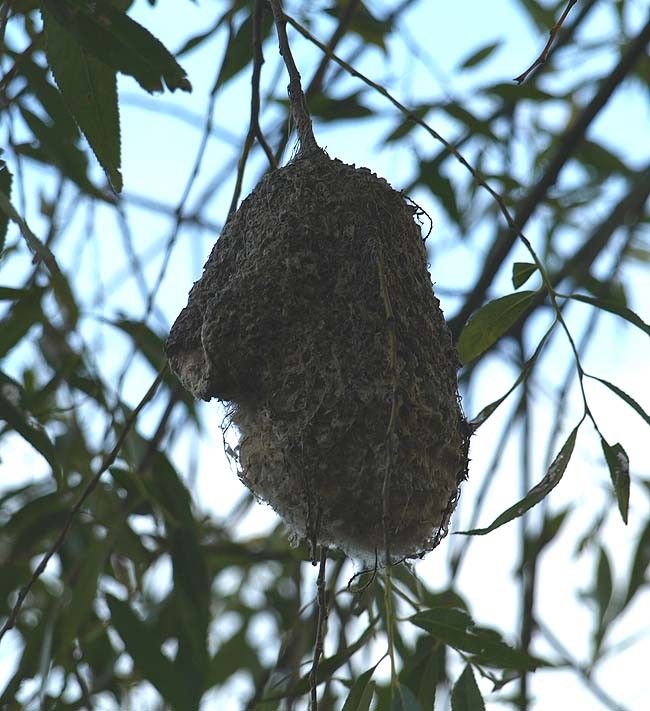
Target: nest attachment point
[315,317]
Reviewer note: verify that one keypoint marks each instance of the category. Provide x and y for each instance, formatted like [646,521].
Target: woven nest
[316,319]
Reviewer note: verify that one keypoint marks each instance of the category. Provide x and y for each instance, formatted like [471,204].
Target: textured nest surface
[316,318]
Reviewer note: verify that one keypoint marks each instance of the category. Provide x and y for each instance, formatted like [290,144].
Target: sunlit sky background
[158,151]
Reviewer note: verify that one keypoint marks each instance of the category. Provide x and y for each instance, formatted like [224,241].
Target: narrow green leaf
[90,91]
[603,588]
[624,396]
[120,42]
[490,322]
[406,124]
[465,695]
[232,656]
[83,591]
[198,39]
[191,580]
[239,52]
[473,123]
[363,23]
[521,272]
[24,314]
[480,55]
[534,545]
[28,428]
[537,493]
[152,347]
[613,307]
[457,629]
[143,645]
[487,411]
[335,109]
[368,695]
[10,293]
[640,564]
[619,470]
[404,700]
[41,88]
[424,670]
[55,148]
[357,697]
[326,668]
[5,186]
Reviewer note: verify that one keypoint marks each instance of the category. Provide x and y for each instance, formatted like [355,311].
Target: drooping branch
[297,98]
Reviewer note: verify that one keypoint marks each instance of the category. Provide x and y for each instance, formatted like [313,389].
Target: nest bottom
[325,477]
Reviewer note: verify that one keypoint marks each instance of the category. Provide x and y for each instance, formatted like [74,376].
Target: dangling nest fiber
[316,319]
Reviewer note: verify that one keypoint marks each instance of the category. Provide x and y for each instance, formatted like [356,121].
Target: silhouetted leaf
[535,544]
[619,470]
[359,697]
[424,670]
[9,293]
[480,55]
[363,23]
[469,120]
[466,696]
[542,17]
[614,308]
[335,109]
[603,590]
[640,563]
[120,42]
[406,124]
[57,149]
[90,90]
[326,668]
[143,645]
[404,700]
[457,629]
[151,346]
[511,93]
[490,322]
[239,52]
[625,397]
[191,581]
[5,186]
[231,656]
[521,272]
[601,162]
[84,590]
[537,493]
[198,39]
[25,425]
[41,88]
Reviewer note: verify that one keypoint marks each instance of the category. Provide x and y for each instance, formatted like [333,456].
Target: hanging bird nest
[315,317]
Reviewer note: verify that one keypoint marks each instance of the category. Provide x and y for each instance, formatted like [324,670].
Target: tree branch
[297,98]
[566,147]
[545,52]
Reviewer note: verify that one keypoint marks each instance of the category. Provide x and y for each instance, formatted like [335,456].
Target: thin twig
[544,54]
[254,130]
[108,460]
[39,249]
[320,628]
[566,147]
[297,98]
